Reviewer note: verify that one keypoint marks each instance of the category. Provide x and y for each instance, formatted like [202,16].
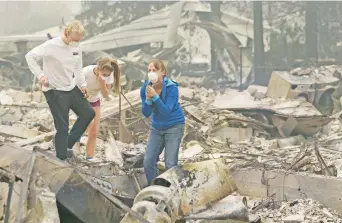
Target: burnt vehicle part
[188,190]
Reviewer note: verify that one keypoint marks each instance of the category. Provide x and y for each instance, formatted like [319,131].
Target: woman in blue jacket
[159,97]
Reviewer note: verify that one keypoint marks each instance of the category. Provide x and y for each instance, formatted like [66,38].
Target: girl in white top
[99,79]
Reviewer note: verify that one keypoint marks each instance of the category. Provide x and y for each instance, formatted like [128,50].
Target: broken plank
[36,106]
[186,93]
[289,186]
[194,112]
[35,139]
[112,151]
[22,207]
[133,99]
[17,131]
[112,108]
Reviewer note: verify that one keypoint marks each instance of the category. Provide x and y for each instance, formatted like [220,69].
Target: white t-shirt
[93,84]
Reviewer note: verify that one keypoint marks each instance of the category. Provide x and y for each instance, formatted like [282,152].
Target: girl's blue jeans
[169,139]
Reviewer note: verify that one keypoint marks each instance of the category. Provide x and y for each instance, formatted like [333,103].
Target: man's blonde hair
[75,26]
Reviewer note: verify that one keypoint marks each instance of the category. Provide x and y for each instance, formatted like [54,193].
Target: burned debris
[245,129]
[249,154]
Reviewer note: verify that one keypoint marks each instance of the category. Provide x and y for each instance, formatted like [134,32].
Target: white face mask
[153,77]
[103,78]
[74,44]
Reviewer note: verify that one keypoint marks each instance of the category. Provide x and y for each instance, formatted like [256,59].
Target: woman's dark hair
[159,65]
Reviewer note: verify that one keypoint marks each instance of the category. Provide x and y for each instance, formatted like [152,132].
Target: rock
[291,141]
[327,213]
[338,165]
[294,219]
[258,92]
[5,99]
[193,148]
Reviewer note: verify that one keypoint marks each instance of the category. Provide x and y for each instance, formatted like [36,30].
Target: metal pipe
[241,89]
[8,203]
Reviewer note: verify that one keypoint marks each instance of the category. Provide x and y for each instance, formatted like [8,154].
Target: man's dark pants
[60,103]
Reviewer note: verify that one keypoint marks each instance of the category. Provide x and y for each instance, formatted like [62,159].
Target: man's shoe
[70,153]
[77,148]
[72,161]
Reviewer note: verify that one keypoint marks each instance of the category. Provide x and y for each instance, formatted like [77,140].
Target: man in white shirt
[55,63]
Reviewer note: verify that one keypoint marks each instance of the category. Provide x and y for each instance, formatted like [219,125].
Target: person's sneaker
[93,160]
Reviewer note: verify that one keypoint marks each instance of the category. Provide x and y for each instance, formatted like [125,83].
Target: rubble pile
[246,129]
[293,125]
[269,210]
[219,124]
[307,210]
[331,70]
[240,127]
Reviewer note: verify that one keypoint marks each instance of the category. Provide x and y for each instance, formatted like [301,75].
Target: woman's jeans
[169,139]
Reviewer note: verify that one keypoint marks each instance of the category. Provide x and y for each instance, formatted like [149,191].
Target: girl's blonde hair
[113,66]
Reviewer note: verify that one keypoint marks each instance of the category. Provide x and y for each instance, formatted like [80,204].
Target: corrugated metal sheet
[28,37]
[243,27]
[125,39]
[150,21]
[153,28]
[54,31]
[197,6]
[123,36]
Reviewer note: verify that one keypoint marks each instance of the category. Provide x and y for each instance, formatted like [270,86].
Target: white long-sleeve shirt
[59,62]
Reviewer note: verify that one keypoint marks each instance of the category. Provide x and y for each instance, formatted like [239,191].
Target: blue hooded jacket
[165,109]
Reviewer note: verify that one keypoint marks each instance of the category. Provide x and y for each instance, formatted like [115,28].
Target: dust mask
[74,44]
[153,77]
[104,78]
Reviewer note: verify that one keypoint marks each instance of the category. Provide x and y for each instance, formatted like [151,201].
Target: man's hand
[85,92]
[43,81]
[150,92]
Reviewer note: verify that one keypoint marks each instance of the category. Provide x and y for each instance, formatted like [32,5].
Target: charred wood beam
[259,54]
[311,33]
